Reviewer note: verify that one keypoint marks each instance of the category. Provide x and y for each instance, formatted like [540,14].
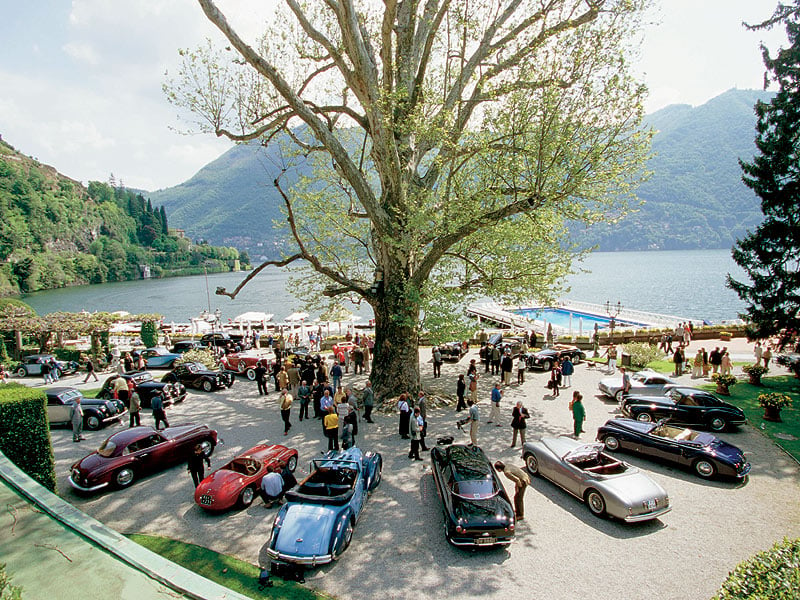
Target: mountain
[56,233]
[694,199]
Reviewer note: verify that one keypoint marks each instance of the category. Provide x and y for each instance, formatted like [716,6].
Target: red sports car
[237,483]
[133,453]
[244,363]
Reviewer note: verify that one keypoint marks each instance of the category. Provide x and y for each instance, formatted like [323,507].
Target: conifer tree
[770,255]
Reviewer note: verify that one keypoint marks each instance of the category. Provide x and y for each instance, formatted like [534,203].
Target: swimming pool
[560,317]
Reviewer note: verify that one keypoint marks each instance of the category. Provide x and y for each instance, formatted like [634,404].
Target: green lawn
[231,572]
[745,396]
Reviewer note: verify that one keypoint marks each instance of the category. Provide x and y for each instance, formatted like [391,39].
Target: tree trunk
[395,366]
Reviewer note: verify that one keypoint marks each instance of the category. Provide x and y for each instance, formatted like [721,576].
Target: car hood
[306,529]
[723,450]
[222,480]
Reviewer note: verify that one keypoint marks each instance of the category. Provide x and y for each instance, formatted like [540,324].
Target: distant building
[178,233]
[145,271]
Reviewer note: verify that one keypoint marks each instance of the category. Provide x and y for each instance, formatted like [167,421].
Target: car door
[359,494]
[566,475]
[58,409]
[663,448]
[147,453]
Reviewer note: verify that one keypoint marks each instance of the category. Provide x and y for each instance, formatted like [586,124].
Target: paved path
[399,550]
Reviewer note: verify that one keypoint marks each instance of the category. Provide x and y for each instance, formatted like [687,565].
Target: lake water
[687,284]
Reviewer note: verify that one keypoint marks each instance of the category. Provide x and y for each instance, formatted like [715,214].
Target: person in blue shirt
[157,404]
[567,369]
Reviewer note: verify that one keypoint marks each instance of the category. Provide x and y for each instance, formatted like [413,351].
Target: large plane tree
[453,145]
[770,255]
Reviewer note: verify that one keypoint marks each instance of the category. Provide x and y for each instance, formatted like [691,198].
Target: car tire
[348,536]
[247,496]
[717,424]
[250,374]
[207,385]
[93,423]
[22,372]
[611,442]
[644,417]
[124,477]
[576,360]
[704,468]
[618,396]
[596,502]
[547,365]
[378,474]
[532,463]
[291,464]
[208,447]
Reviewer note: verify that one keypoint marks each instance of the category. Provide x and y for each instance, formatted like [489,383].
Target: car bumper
[119,415]
[312,561]
[647,516]
[82,488]
[476,543]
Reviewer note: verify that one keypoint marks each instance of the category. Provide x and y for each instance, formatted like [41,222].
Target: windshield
[583,453]
[475,489]
[107,448]
[142,378]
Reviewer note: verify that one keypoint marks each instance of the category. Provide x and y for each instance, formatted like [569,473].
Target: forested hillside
[56,233]
[694,199]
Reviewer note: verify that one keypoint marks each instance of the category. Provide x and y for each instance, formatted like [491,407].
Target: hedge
[25,432]
[773,574]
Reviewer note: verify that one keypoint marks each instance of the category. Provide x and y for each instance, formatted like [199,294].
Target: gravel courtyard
[399,549]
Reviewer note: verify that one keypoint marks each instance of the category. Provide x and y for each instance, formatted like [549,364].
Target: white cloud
[82,52]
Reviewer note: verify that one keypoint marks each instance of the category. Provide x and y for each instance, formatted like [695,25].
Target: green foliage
[205,357]
[226,570]
[149,333]
[755,370]
[25,433]
[773,574]
[642,354]
[769,254]
[54,233]
[8,591]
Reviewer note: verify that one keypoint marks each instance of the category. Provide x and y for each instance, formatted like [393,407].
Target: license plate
[485,540]
[206,500]
[651,504]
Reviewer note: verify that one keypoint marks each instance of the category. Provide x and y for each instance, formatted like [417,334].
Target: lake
[688,284]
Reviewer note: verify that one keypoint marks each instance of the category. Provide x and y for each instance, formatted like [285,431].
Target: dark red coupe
[133,453]
[237,483]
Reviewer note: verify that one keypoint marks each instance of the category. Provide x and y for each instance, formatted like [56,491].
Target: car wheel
[611,442]
[124,477]
[618,396]
[378,474]
[547,365]
[22,372]
[704,468]
[644,417]
[532,464]
[348,536]
[93,423]
[250,374]
[246,497]
[206,385]
[291,464]
[207,447]
[596,503]
[576,360]
[718,424]
[242,366]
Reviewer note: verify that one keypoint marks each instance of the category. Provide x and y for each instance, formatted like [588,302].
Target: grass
[745,396]
[226,570]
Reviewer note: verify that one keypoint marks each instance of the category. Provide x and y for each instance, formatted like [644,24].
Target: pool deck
[506,316]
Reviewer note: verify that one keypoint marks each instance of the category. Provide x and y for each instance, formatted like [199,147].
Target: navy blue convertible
[316,524]
[706,454]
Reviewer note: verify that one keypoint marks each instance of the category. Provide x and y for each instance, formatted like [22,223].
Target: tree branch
[220,291]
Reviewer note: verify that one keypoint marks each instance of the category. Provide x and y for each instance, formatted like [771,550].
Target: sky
[81,81]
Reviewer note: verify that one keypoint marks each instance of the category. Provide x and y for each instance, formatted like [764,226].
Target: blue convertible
[316,524]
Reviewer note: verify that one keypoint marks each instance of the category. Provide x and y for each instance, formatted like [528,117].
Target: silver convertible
[607,485]
[643,383]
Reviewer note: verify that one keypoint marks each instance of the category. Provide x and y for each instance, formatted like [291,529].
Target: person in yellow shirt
[331,425]
[286,410]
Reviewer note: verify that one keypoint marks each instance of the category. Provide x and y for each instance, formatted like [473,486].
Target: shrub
[205,357]
[774,574]
[774,399]
[755,370]
[726,380]
[8,591]
[25,433]
[149,334]
[641,354]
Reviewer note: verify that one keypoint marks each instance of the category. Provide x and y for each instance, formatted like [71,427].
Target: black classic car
[221,339]
[32,365]
[186,346]
[684,405]
[547,357]
[96,411]
[704,453]
[453,351]
[147,387]
[197,375]
[477,511]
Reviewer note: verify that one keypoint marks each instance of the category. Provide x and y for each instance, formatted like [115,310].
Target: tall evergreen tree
[164,225]
[771,254]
